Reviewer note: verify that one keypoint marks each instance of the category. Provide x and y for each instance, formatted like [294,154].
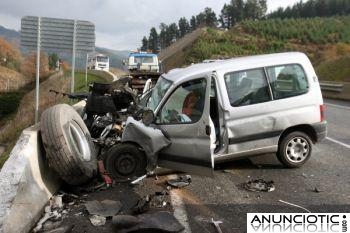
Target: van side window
[185,105]
[247,87]
[287,81]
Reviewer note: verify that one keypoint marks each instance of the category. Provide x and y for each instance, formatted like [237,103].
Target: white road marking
[338,106]
[338,142]
[179,208]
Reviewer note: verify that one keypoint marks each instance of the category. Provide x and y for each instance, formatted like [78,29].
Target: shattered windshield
[158,92]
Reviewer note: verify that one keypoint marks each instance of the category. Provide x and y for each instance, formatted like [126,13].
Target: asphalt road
[224,198]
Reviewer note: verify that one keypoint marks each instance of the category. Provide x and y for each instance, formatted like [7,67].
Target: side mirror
[124,62]
[147,117]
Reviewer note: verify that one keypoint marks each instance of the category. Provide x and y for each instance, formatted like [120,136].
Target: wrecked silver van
[200,115]
[237,108]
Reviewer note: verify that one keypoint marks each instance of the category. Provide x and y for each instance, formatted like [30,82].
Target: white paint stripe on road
[338,106]
[338,142]
[179,208]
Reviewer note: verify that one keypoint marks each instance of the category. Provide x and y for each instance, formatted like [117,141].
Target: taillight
[322,107]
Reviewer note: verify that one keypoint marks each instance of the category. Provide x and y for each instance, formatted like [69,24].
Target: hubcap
[297,149]
[79,141]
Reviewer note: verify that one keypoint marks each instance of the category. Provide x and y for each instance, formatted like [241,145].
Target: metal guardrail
[331,86]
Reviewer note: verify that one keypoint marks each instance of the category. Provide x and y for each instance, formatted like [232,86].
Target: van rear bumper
[321,130]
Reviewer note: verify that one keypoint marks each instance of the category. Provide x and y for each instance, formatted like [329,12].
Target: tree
[9,55]
[200,20]
[255,9]
[53,59]
[184,27]
[193,23]
[153,40]
[28,66]
[173,32]
[210,17]
[164,36]
[144,46]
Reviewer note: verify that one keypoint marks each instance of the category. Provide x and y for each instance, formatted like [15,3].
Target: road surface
[321,185]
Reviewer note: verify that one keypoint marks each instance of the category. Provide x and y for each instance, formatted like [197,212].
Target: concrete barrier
[27,183]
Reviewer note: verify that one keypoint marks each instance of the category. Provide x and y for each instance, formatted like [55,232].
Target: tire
[125,161]
[294,149]
[68,145]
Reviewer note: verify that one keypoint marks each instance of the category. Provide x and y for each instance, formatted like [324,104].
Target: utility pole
[73,58]
[37,73]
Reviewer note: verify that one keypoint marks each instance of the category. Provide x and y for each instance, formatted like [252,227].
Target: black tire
[125,161]
[68,145]
[294,149]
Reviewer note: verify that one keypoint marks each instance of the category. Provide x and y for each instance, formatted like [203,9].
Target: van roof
[240,63]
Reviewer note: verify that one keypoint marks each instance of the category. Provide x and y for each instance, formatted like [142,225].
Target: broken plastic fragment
[156,222]
[105,208]
[259,185]
[142,205]
[97,220]
[180,182]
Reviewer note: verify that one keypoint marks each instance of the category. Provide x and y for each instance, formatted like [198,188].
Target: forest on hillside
[250,13]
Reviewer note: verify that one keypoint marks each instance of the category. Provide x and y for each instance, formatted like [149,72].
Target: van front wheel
[294,149]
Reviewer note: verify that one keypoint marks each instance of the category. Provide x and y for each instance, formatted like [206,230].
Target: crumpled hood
[152,140]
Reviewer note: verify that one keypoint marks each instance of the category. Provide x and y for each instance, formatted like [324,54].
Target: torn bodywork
[151,140]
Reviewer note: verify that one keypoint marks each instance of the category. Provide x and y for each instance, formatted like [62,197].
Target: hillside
[174,55]
[10,79]
[116,57]
[324,40]
[10,35]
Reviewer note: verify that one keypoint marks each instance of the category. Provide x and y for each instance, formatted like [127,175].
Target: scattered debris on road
[217,225]
[142,205]
[97,220]
[53,211]
[138,180]
[105,208]
[298,206]
[317,190]
[180,182]
[161,221]
[259,185]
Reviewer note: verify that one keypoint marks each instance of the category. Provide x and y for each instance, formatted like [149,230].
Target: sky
[119,24]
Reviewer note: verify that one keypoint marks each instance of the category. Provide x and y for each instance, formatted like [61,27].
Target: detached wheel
[294,149]
[68,145]
[124,162]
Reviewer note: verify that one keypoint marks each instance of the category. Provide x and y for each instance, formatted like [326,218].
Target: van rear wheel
[294,149]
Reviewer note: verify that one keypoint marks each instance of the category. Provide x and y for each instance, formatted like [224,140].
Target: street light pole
[86,64]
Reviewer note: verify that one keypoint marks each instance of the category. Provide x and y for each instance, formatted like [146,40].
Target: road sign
[57,34]
[52,34]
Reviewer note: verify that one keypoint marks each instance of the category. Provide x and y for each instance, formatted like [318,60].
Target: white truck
[98,62]
[143,62]
[143,67]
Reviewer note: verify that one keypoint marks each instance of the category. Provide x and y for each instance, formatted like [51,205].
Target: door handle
[208,130]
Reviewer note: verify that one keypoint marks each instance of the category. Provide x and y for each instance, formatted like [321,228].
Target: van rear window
[287,80]
[247,87]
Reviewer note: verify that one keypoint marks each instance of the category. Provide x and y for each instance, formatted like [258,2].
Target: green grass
[9,102]
[80,84]
[334,70]
[326,41]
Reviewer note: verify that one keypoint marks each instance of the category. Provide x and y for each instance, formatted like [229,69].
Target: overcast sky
[120,24]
